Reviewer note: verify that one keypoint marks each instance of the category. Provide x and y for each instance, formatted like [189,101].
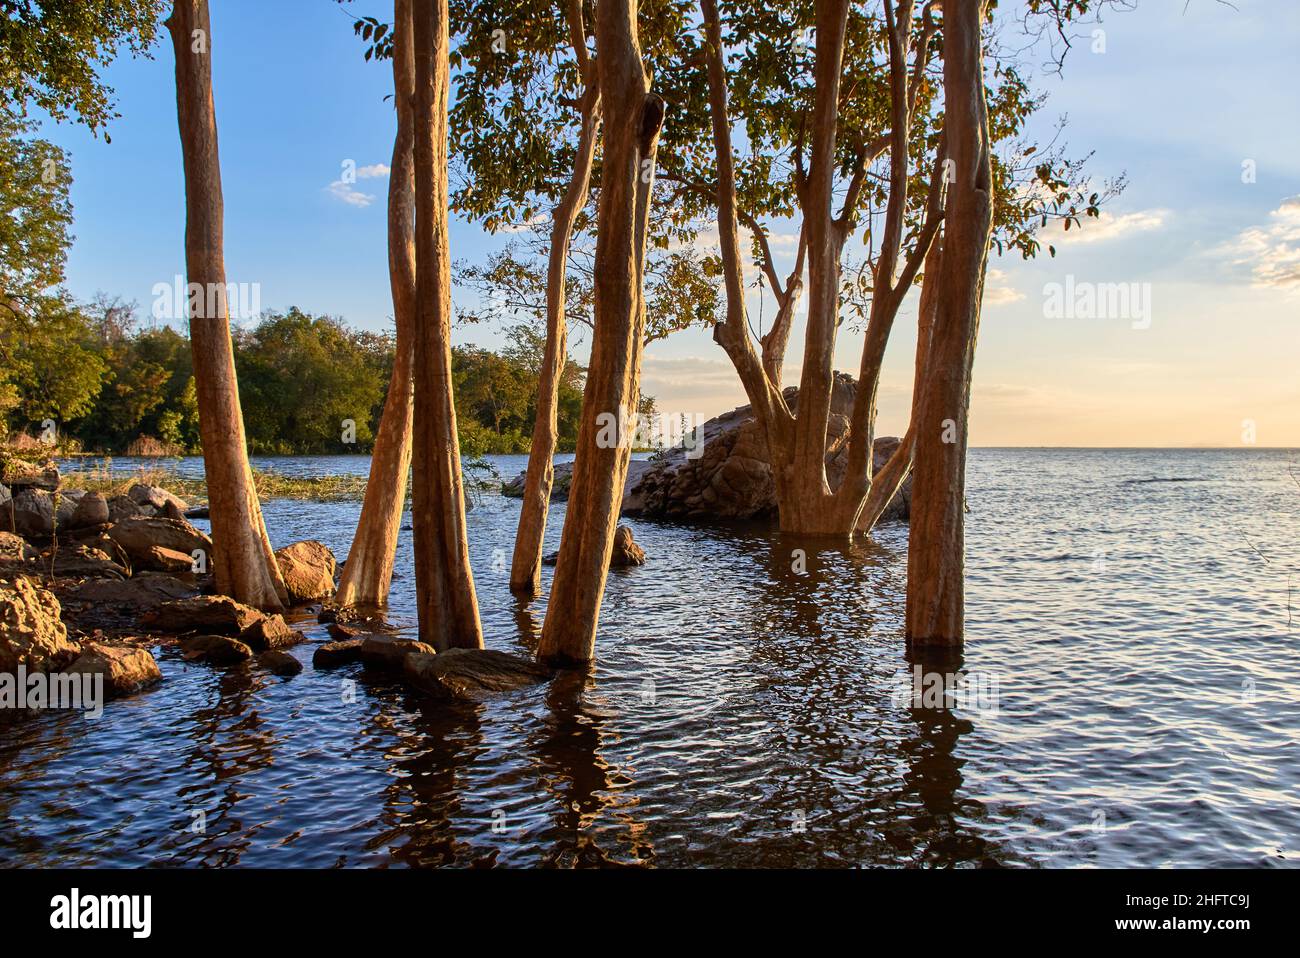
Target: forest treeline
[308,385]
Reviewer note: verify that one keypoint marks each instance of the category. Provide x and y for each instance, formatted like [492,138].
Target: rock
[360,628]
[83,562]
[331,655]
[197,512]
[14,548]
[731,477]
[142,592]
[5,494]
[388,651]
[470,673]
[279,663]
[92,510]
[140,534]
[18,474]
[214,614]
[308,570]
[514,488]
[121,507]
[32,513]
[32,632]
[626,551]
[167,560]
[125,670]
[155,497]
[271,632]
[216,649]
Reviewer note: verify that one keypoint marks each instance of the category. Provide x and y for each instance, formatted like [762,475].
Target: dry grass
[103,479]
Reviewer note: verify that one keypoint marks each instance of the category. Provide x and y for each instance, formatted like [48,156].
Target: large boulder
[270,632]
[471,673]
[731,477]
[341,652]
[626,551]
[18,474]
[156,498]
[139,593]
[31,513]
[213,614]
[125,670]
[81,562]
[140,535]
[514,488]
[122,507]
[390,651]
[32,632]
[91,510]
[14,548]
[215,649]
[308,569]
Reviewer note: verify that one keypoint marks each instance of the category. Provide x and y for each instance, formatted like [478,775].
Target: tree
[819,120]
[445,595]
[368,573]
[243,562]
[633,118]
[50,51]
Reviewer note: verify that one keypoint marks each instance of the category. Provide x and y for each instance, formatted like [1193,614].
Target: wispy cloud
[344,188]
[996,292]
[1272,251]
[1105,227]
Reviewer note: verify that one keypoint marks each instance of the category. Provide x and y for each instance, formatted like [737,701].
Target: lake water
[1134,636]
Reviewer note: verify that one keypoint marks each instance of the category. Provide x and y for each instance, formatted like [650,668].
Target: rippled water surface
[1134,622]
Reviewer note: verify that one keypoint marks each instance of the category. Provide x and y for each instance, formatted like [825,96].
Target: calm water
[1134,618]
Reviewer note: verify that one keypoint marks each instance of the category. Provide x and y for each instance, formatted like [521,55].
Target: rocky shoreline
[91,586]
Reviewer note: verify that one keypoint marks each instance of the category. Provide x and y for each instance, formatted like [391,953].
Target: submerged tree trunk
[445,597]
[633,118]
[936,550]
[243,562]
[368,572]
[526,566]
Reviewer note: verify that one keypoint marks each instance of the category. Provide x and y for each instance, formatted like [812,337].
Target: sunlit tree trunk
[526,566]
[936,552]
[632,121]
[242,563]
[447,604]
[368,572]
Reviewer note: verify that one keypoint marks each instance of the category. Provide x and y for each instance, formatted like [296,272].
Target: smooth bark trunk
[445,596]
[526,564]
[633,118]
[936,552]
[368,573]
[243,562]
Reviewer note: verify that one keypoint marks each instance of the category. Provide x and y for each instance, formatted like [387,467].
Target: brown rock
[32,632]
[92,510]
[31,513]
[19,474]
[167,560]
[82,562]
[471,673]
[279,663]
[14,548]
[626,551]
[389,651]
[308,569]
[146,591]
[139,534]
[213,614]
[216,649]
[155,497]
[121,507]
[271,632]
[125,670]
[331,655]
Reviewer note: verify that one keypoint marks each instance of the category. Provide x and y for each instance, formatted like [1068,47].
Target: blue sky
[1179,100]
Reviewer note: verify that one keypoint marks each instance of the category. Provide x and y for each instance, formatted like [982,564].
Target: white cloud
[1105,227]
[1272,251]
[344,192]
[997,294]
[344,188]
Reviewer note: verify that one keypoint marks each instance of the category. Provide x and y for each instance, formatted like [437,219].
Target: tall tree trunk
[243,562]
[633,118]
[936,551]
[444,583]
[526,565]
[368,572]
